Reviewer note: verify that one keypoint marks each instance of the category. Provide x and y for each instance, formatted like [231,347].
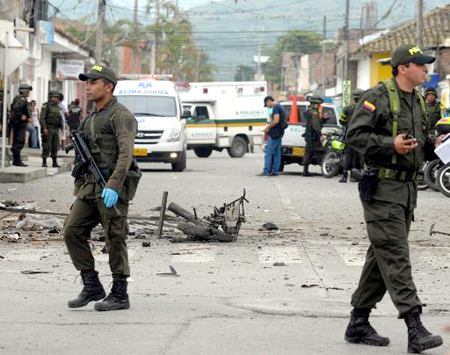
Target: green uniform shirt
[50,115]
[434,114]
[313,129]
[20,106]
[111,144]
[347,114]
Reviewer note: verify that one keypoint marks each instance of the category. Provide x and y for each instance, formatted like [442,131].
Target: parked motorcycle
[443,179]
[333,159]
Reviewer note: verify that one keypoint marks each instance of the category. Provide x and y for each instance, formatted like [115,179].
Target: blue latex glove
[109,197]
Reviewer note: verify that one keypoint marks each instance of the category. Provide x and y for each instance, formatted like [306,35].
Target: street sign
[346,93]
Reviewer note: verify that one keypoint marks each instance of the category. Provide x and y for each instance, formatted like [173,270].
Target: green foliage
[244,73]
[302,42]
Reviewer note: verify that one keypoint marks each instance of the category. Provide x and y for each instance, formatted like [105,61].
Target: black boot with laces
[419,338]
[92,290]
[359,330]
[117,299]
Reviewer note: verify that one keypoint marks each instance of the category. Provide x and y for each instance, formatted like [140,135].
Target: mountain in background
[231,32]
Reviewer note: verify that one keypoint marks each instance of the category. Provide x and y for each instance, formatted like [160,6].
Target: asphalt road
[227,298]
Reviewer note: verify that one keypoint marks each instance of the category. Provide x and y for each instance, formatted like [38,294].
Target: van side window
[201,113]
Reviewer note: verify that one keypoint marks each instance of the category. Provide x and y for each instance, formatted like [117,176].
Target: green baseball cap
[410,53]
[99,72]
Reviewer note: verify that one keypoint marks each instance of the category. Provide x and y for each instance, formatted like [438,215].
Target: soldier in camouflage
[51,124]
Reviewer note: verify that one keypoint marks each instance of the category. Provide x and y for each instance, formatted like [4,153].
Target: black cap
[268,98]
[99,72]
[410,53]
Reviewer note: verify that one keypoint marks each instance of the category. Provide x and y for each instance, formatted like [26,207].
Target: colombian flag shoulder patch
[369,106]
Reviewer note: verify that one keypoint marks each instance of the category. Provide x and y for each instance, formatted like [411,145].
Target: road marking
[194,254]
[30,254]
[352,255]
[288,255]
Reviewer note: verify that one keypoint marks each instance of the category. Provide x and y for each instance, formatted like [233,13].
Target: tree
[244,73]
[303,42]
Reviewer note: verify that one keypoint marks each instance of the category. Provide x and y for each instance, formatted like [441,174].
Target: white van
[161,133]
[224,115]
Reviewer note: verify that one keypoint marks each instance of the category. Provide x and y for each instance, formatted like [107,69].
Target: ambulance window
[329,113]
[201,113]
[160,106]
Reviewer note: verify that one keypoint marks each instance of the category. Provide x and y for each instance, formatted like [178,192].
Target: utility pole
[420,23]
[199,55]
[99,32]
[347,40]
[324,53]
[258,75]
[155,39]
[296,72]
[135,37]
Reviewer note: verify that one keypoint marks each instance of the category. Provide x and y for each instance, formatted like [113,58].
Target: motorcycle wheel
[330,164]
[430,174]
[421,183]
[443,180]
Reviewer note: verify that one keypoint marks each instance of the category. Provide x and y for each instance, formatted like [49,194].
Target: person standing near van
[109,133]
[313,133]
[275,131]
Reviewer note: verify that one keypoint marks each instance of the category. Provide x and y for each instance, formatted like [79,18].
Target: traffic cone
[293,118]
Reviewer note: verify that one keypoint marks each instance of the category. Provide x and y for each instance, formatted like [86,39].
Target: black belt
[397,175]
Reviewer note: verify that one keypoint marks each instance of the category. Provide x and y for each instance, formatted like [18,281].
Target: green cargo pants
[84,215]
[50,144]
[387,265]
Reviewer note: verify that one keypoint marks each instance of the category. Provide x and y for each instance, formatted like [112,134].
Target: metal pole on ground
[162,214]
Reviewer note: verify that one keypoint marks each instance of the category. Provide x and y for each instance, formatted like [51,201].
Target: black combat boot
[306,170]
[92,290]
[344,177]
[419,338]
[55,163]
[359,330]
[117,299]
[44,162]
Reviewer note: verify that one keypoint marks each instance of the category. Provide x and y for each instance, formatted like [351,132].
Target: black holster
[368,185]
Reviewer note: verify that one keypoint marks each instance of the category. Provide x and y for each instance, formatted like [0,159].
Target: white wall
[363,74]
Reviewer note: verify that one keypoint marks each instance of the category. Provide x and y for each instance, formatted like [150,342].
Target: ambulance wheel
[203,152]
[238,148]
[181,164]
[443,180]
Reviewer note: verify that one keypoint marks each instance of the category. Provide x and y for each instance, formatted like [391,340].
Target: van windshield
[159,106]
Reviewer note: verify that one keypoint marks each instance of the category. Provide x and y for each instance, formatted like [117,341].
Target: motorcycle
[443,179]
[333,159]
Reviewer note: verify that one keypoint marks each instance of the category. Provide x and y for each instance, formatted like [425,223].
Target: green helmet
[53,93]
[357,93]
[315,99]
[24,88]
[431,91]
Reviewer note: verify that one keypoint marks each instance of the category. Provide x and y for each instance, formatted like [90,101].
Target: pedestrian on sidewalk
[75,114]
[388,129]
[275,131]
[109,132]
[35,121]
[51,124]
[20,114]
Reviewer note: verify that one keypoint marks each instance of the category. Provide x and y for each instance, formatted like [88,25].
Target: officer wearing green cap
[20,114]
[313,133]
[434,107]
[51,123]
[389,128]
[109,132]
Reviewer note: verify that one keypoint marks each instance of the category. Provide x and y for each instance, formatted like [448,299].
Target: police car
[161,133]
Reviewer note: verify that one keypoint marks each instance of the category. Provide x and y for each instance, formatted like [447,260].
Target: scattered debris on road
[433,231]
[278,263]
[34,272]
[172,272]
[269,226]
[146,244]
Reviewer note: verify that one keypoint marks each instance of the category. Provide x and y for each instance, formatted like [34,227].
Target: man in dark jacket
[20,114]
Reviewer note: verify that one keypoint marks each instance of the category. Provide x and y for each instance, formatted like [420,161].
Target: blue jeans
[33,140]
[272,158]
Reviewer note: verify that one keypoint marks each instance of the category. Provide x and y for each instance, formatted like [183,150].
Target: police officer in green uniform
[313,134]
[20,114]
[51,123]
[351,158]
[109,133]
[434,107]
[389,129]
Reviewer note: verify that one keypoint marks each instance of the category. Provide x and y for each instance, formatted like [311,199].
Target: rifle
[84,159]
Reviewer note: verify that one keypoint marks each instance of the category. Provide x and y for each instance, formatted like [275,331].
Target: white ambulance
[161,133]
[224,115]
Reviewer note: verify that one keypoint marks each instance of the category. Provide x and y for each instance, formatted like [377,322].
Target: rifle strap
[394,104]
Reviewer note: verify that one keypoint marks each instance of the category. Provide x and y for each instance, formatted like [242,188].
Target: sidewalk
[34,170]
